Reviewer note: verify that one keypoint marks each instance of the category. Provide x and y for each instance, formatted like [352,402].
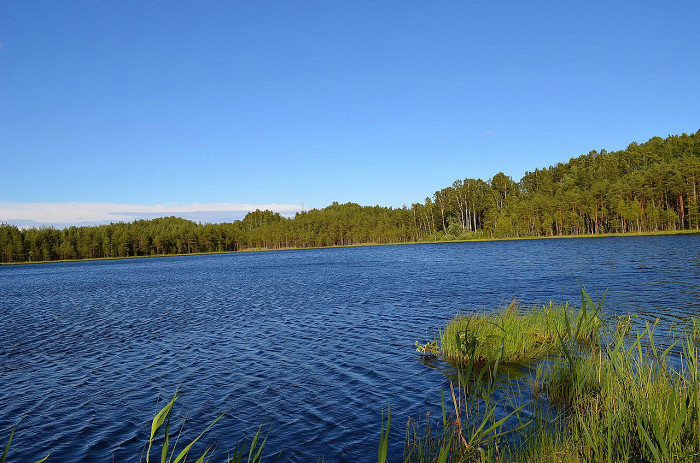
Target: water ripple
[313,345]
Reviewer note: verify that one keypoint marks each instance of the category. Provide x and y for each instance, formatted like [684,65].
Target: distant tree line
[647,187]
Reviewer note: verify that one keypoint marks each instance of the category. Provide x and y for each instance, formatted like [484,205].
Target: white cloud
[66,214]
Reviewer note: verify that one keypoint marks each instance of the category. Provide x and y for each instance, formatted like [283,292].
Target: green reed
[3,456]
[473,424]
[514,335]
[161,436]
[694,327]
[627,400]
[164,443]
[599,393]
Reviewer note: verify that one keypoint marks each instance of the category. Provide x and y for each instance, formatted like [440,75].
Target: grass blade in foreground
[384,438]
[7,450]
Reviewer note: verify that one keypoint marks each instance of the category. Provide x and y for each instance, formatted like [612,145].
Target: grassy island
[513,335]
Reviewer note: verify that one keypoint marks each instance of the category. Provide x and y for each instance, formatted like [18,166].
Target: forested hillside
[647,187]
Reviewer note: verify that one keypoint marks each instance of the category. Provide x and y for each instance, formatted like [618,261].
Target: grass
[694,327]
[629,400]
[474,421]
[163,443]
[598,393]
[513,335]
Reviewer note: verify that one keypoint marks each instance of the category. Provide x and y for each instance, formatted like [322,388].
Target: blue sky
[221,106]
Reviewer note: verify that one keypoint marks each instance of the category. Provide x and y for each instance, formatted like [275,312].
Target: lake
[311,344]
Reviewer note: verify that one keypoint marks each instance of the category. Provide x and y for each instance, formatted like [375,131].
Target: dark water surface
[312,344]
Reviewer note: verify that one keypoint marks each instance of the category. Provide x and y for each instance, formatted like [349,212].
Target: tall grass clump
[601,393]
[514,335]
[627,400]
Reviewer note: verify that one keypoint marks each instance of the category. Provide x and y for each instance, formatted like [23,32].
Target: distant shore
[520,238]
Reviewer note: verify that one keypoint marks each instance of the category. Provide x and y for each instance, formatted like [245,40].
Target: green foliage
[623,324]
[627,402]
[254,453]
[515,335]
[384,439]
[650,187]
[599,396]
[167,455]
[694,328]
[475,427]
[160,435]
[7,447]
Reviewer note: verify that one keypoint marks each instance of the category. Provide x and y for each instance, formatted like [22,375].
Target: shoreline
[472,240]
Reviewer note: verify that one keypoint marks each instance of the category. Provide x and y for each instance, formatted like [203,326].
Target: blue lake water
[311,344]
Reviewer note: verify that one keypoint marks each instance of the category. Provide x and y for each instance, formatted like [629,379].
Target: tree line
[646,187]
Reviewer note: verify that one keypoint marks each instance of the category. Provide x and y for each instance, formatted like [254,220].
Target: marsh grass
[515,335]
[628,400]
[163,443]
[694,328]
[598,392]
[162,437]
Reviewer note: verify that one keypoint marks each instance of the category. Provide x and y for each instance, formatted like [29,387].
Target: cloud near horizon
[83,213]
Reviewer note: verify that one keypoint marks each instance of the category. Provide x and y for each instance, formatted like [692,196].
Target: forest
[646,187]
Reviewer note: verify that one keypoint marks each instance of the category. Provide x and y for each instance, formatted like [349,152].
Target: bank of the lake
[429,240]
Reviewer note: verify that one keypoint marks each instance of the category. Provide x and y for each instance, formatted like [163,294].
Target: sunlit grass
[518,335]
[476,418]
[694,327]
[619,398]
[629,400]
